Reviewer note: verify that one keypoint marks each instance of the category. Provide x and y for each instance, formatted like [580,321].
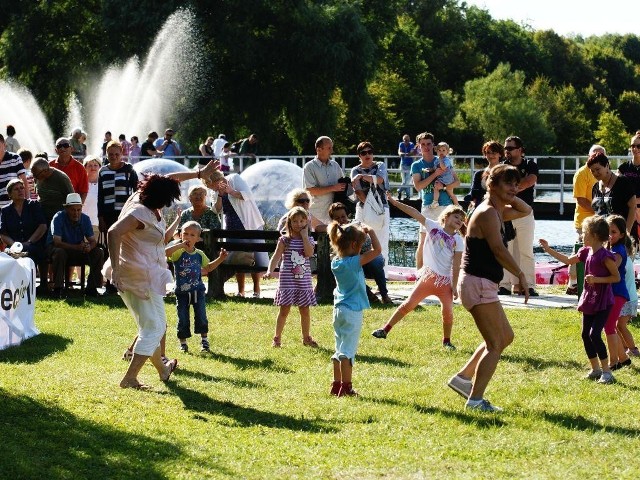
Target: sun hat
[73,199]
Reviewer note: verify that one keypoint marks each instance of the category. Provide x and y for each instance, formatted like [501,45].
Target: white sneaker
[481,406]
[460,385]
[127,355]
[606,378]
[593,375]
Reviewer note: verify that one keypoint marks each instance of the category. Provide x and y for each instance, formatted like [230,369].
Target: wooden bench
[236,241]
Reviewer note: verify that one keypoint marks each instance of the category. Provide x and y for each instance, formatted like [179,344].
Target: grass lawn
[250,411]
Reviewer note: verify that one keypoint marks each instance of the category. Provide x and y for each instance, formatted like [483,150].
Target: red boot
[335,387]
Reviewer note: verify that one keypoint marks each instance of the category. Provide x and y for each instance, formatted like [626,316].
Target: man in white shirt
[320,177]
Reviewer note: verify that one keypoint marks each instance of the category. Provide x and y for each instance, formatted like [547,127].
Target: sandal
[127,355]
[173,364]
[276,342]
[310,342]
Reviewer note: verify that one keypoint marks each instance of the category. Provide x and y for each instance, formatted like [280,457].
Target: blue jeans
[405,173]
[375,269]
[201,325]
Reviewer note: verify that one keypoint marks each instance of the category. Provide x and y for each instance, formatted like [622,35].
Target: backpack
[235,146]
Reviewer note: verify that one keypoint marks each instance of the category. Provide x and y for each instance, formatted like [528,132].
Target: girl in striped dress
[294,285]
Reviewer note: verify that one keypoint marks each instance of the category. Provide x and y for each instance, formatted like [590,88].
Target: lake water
[560,234]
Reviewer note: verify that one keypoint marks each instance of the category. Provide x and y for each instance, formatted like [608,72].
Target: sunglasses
[635,145]
[366,152]
[508,149]
[303,200]
[63,145]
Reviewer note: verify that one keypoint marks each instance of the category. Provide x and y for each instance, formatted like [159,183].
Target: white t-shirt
[90,206]
[630,280]
[439,248]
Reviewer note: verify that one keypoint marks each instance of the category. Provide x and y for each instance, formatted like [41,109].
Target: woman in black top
[485,256]
[493,152]
[611,194]
[631,170]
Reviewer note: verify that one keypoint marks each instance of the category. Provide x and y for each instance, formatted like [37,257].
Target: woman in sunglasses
[611,194]
[631,170]
[364,176]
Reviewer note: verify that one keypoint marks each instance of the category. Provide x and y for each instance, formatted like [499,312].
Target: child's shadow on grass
[244,363]
[181,372]
[480,419]
[35,349]
[245,416]
[537,363]
[573,422]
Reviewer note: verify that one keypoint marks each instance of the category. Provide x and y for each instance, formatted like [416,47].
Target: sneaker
[533,293]
[593,375]
[372,297]
[205,345]
[626,363]
[615,366]
[504,291]
[109,289]
[481,406]
[572,290]
[386,300]
[633,352]
[276,342]
[255,295]
[380,333]
[606,378]
[184,347]
[127,355]
[448,346]
[460,385]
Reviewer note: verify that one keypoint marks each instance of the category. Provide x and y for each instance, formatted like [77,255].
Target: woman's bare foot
[126,383]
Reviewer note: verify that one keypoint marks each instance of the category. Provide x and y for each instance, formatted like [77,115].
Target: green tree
[499,105]
[629,110]
[611,134]
[46,45]
[565,114]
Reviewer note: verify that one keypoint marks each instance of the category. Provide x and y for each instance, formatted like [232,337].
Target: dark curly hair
[157,191]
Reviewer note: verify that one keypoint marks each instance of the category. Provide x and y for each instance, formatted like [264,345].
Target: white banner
[17,300]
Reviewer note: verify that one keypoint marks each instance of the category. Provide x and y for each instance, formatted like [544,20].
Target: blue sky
[567,17]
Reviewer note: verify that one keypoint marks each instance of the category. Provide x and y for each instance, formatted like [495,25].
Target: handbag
[371,212]
[247,259]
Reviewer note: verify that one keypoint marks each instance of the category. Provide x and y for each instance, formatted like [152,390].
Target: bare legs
[130,379]
[498,335]
[255,277]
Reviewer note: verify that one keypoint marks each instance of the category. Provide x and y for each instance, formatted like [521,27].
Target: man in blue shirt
[406,150]
[71,239]
[168,146]
[424,173]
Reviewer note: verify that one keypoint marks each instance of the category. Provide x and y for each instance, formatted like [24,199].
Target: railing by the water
[555,172]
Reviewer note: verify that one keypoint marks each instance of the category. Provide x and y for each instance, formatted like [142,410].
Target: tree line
[368,69]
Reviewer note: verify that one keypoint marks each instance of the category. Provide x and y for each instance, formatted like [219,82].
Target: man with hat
[71,240]
[167,145]
[72,167]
